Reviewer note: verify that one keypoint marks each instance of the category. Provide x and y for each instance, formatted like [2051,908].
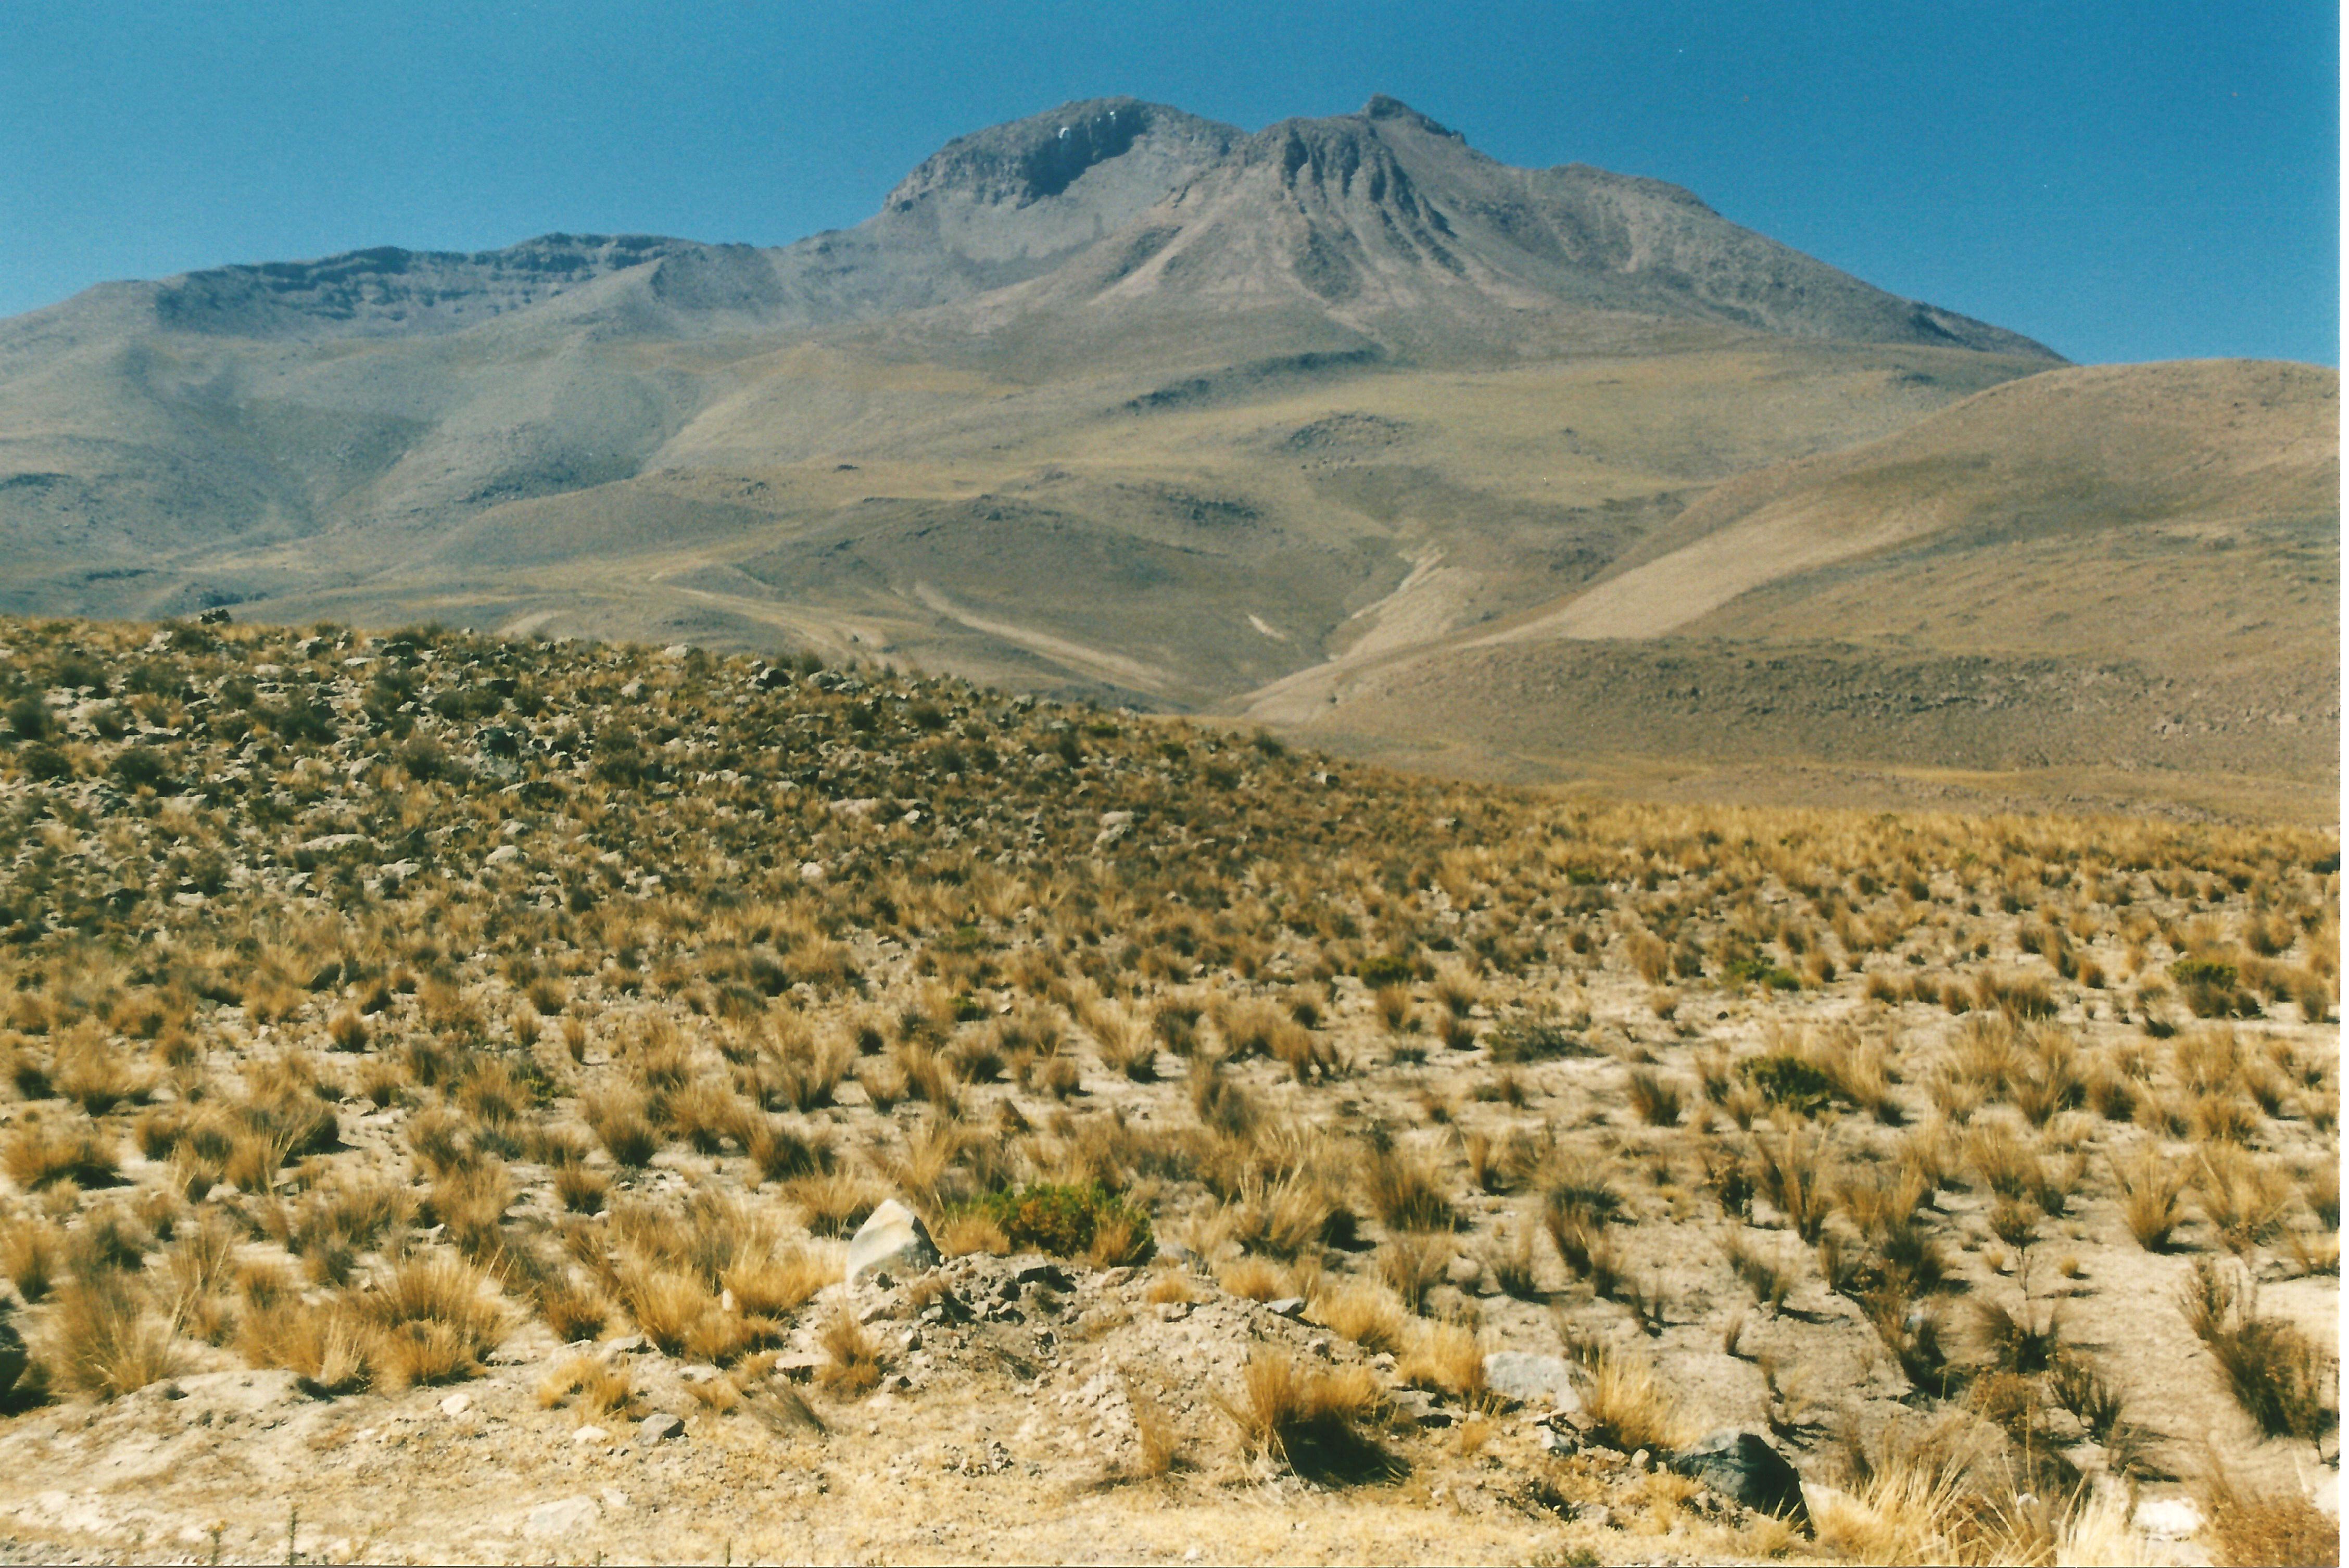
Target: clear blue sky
[2148,179]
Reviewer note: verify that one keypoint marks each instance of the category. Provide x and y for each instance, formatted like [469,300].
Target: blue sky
[2143,181]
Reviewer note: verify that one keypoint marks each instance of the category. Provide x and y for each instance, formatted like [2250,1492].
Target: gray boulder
[1530,1379]
[1744,1468]
[892,1243]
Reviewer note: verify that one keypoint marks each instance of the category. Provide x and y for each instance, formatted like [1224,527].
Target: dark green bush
[1386,969]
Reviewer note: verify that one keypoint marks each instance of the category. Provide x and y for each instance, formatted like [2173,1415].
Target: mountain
[1111,400]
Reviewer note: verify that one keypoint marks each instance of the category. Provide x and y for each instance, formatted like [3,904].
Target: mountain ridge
[1117,401]
[941,237]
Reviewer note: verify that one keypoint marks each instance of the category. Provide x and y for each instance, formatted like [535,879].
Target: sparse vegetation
[303,1070]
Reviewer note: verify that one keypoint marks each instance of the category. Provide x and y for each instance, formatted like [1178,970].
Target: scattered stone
[1743,1468]
[659,1427]
[1286,1306]
[892,1242]
[586,1435]
[560,1518]
[798,1368]
[1464,1272]
[456,1404]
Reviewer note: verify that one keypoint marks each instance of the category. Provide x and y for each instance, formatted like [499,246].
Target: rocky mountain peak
[1028,161]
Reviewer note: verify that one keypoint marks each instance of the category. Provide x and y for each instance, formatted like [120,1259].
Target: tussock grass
[2282,1379]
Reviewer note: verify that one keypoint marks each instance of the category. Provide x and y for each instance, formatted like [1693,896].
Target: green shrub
[1065,1219]
[1753,970]
[1526,1040]
[1790,1081]
[1386,970]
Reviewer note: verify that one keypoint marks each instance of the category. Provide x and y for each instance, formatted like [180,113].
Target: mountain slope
[2115,567]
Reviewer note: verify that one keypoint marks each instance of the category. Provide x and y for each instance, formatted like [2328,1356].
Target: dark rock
[1744,1468]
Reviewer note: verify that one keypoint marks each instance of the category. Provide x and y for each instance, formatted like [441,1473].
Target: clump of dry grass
[1629,1406]
[1313,1422]
[1406,1193]
[106,1338]
[2257,1529]
[589,1384]
[1797,1175]
[1370,1318]
[2245,1198]
[431,1318]
[1655,1099]
[2149,1188]
[853,1365]
[38,1154]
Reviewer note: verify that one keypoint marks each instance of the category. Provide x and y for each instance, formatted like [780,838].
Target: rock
[659,1427]
[504,855]
[1531,1380]
[1464,1272]
[1418,1406]
[586,1435]
[456,1404]
[1744,1468]
[892,1242]
[2169,1518]
[564,1517]
[627,1344]
[1286,1306]
[798,1368]
[12,1355]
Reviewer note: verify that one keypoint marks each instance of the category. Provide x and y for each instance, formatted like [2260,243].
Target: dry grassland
[428,1056]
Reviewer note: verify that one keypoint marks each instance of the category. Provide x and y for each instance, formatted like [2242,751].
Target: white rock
[2169,1518]
[456,1404]
[893,1241]
[586,1435]
[810,871]
[564,1517]
[501,855]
